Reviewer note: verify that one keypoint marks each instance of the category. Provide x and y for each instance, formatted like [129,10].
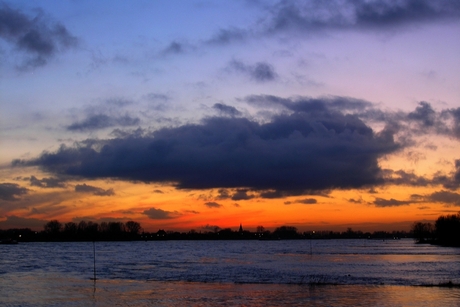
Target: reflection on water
[229,273]
[52,290]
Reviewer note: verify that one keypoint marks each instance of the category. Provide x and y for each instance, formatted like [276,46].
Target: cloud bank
[101,121]
[84,188]
[320,145]
[11,191]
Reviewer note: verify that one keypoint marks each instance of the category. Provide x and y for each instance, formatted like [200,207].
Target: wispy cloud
[306,201]
[101,121]
[224,109]
[84,188]
[227,36]
[260,71]
[212,204]
[159,214]
[381,202]
[38,37]
[312,16]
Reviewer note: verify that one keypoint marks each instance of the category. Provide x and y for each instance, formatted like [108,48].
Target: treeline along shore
[131,231]
[446,231]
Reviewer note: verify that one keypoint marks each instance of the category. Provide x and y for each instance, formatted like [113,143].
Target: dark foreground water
[229,273]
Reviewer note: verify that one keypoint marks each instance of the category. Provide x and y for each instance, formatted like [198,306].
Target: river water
[229,273]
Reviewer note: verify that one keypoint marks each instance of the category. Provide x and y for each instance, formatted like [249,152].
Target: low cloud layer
[101,121]
[49,182]
[260,72]
[315,147]
[159,214]
[380,202]
[84,188]
[212,204]
[447,197]
[309,144]
[306,201]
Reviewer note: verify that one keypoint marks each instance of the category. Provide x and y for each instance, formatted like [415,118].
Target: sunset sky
[186,115]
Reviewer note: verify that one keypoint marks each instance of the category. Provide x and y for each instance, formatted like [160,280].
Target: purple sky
[376,82]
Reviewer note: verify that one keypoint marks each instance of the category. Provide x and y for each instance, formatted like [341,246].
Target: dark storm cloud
[159,214]
[226,110]
[37,36]
[84,188]
[317,147]
[11,191]
[101,121]
[380,202]
[260,72]
[313,16]
[50,182]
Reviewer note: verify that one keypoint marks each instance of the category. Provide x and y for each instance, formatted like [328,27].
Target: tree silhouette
[286,232]
[423,232]
[53,228]
[70,230]
[448,229]
[133,227]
